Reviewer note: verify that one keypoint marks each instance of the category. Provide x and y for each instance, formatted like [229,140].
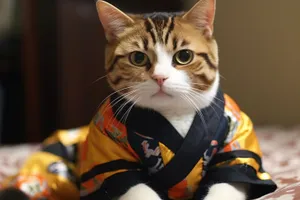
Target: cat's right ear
[202,16]
[113,20]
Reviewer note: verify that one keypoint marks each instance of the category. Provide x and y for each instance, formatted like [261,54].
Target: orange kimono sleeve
[52,172]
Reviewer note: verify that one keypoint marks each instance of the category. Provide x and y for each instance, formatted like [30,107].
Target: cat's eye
[138,58]
[183,57]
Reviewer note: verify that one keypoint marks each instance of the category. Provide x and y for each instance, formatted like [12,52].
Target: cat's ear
[113,20]
[202,15]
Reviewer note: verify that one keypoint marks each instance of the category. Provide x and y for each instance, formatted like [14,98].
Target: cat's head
[162,60]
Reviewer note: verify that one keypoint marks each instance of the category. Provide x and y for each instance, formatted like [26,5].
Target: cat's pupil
[184,56]
[139,57]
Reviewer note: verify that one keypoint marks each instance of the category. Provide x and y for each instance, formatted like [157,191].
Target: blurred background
[52,51]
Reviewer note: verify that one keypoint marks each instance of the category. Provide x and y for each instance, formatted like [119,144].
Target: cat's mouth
[161,93]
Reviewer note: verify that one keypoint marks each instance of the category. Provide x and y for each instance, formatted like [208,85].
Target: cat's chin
[161,94]
[162,102]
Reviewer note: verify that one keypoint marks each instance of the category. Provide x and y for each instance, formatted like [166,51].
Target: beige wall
[259,44]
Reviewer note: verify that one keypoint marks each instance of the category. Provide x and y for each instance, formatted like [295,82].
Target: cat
[167,62]
[167,131]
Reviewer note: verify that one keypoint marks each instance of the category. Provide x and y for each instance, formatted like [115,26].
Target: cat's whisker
[120,90]
[196,94]
[191,102]
[125,96]
[112,103]
[129,110]
[200,91]
[125,103]
[222,76]
[118,99]
[98,79]
[199,112]
[212,102]
[202,96]
[113,119]
[130,100]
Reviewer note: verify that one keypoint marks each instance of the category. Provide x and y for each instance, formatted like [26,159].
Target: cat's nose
[159,79]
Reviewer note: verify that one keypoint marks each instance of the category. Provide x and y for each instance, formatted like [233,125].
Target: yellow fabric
[97,147]
[242,137]
[100,149]
[35,170]
[187,187]
[68,136]
[35,179]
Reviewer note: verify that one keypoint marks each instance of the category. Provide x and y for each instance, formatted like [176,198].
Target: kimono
[51,173]
[120,149]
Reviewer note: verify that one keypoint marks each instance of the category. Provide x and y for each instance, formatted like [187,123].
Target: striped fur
[144,33]
[176,91]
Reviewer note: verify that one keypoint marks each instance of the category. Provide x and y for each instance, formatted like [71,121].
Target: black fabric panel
[58,149]
[136,141]
[72,152]
[191,151]
[221,157]
[108,167]
[117,185]
[236,174]
[175,171]
[99,194]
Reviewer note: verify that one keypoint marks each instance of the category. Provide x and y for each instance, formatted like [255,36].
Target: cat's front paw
[224,191]
[140,192]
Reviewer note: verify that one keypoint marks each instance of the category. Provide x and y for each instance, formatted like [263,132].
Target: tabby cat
[166,132]
[169,63]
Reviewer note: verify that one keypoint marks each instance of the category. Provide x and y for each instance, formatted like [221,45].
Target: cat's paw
[224,191]
[140,192]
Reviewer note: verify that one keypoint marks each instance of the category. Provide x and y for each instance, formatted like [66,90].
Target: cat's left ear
[202,15]
[113,20]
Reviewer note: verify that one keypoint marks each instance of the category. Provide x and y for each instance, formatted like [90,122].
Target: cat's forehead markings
[184,43]
[170,29]
[159,27]
[150,29]
[145,43]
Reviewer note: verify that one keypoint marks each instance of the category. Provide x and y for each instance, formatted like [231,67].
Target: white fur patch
[180,107]
[227,191]
[140,192]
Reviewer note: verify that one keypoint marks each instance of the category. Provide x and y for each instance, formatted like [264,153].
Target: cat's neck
[180,118]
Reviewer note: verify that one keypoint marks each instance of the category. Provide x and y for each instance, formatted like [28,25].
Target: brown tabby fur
[175,33]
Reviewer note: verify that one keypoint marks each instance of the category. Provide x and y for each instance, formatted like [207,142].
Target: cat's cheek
[182,77]
[179,81]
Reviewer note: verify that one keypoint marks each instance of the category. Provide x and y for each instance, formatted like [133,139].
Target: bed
[279,145]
